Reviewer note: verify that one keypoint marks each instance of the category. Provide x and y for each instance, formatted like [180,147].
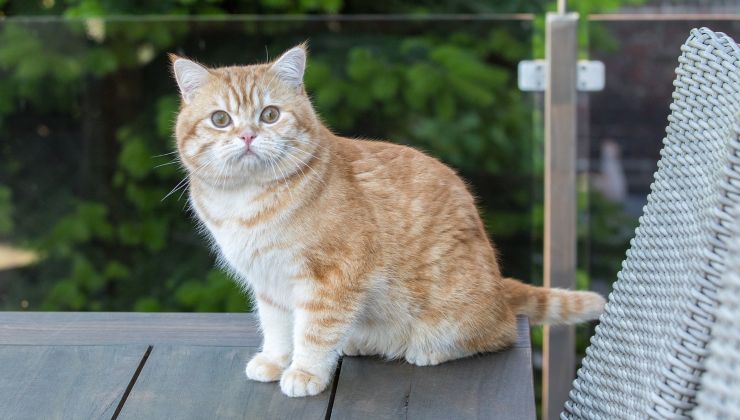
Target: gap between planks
[145,357]
[132,382]
[334,385]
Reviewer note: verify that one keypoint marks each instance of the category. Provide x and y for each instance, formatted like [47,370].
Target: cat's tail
[553,306]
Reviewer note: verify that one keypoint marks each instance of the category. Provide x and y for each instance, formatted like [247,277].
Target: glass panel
[86,112]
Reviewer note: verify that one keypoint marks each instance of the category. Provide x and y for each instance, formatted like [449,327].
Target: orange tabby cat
[350,247]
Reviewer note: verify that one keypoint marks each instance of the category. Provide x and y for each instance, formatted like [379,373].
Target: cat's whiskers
[179,185]
[231,152]
[277,145]
[221,172]
[302,163]
[285,181]
[271,161]
[306,152]
[314,144]
[288,155]
[184,182]
[202,167]
[172,162]
[164,154]
[283,175]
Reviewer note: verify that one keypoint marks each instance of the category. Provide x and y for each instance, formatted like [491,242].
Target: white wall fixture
[532,75]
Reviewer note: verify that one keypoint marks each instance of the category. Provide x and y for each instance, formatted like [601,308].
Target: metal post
[560,202]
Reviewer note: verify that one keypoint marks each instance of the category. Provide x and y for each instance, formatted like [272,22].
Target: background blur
[87,106]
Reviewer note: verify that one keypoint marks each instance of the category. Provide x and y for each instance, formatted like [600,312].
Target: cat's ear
[190,76]
[291,65]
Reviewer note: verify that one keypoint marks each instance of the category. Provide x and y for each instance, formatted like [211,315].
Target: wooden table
[68,365]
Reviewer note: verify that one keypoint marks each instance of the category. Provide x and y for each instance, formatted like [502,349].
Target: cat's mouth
[247,154]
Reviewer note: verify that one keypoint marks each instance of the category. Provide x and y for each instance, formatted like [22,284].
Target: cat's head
[245,123]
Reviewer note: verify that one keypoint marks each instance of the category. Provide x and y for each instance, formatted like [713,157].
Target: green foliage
[88,222]
[218,293]
[92,100]
[109,242]
[6,210]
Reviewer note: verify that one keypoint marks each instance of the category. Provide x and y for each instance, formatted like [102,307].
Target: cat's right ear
[290,66]
[190,76]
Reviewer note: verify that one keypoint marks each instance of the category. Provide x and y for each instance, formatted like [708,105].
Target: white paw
[425,359]
[265,369]
[299,383]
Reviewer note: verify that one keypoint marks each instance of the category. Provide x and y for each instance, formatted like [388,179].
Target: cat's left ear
[291,65]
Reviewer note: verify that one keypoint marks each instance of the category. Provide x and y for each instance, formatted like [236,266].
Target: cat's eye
[220,119]
[270,114]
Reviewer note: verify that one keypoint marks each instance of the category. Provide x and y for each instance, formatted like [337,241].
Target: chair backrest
[719,394]
[647,355]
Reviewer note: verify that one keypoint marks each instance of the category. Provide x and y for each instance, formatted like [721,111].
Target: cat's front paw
[300,383]
[420,358]
[263,368]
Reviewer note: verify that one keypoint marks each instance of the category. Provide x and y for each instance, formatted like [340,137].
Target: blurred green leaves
[135,157]
[6,210]
[442,93]
[94,99]
[217,293]
[88,222]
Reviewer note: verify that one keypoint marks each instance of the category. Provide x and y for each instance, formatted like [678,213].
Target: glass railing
[86,117]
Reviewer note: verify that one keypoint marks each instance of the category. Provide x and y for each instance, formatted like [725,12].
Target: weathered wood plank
[106,328]
[65,382]
[370,388]
[207,379]
[491,386]
[183,382]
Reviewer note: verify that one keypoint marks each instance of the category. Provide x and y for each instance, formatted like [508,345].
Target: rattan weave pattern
[719,394]
[646,357]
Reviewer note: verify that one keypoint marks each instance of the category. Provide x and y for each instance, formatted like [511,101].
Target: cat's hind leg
[432,344]
[425,357]
[365,341]
[463,340]
[354,348]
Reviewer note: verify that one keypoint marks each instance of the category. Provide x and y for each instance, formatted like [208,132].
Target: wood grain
[491,386]
[106,328]
[189,373]
[370,388]
[63,382]
[196,382]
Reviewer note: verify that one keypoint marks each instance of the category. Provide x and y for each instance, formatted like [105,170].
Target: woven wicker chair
[719,395]
[647,356]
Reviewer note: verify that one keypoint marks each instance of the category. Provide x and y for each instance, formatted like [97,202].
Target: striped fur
[349,246]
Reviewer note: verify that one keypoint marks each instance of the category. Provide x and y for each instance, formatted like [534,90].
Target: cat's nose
[247,137]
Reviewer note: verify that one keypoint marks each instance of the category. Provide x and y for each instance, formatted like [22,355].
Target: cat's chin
[247,157]
[228,182]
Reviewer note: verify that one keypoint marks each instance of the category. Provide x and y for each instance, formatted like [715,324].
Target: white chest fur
[259,255]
